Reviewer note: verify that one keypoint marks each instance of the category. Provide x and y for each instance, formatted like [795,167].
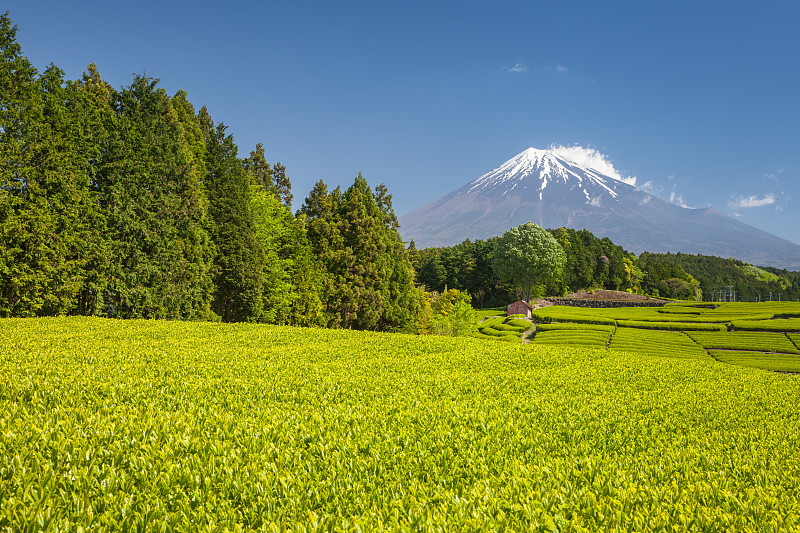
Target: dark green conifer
[154,208]
[283,186]
[239,281]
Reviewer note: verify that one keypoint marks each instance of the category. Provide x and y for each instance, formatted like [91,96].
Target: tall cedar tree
[367,278]
[321,212]
[91,104]
[46,207]
[259,171]
[154,206]
[283,187]
[402,300]
[239,280]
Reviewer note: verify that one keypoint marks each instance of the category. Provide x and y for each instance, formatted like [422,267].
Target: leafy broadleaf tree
[527,256]
[452,314]
[290,294]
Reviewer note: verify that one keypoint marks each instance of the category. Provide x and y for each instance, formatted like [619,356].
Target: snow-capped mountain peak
[535,170]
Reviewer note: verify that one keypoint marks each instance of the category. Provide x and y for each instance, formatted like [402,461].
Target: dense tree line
[130,203]
[715,274]
[589,263]
[593,263]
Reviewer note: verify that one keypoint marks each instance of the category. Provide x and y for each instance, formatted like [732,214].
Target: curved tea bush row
[520,323]
[503,338]
[586,337]
[765,361]
[555,313]
[509,327]
[778,324]
[670,326]
[671,309]
[559,326]
[795,338]
[501,327]
[497,332]
[492,322]
[745,340]
[481,314]
[663,343]
[119,426]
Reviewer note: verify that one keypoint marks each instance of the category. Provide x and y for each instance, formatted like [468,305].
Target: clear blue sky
[700,99]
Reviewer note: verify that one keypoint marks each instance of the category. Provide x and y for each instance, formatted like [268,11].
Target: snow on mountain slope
[540,167]
[550,188]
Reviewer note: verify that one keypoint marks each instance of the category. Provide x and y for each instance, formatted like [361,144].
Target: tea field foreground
[136,425]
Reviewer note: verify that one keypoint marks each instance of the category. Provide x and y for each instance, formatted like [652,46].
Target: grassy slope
[228,426]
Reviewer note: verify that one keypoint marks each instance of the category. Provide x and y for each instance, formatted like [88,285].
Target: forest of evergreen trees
[131,204]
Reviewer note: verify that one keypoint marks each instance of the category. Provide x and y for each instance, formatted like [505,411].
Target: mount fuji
[553,189]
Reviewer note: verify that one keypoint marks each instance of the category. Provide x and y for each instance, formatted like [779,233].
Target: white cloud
[677,199]
[590,158]
[561,68]
[752,201]
[651,188]
[519,67]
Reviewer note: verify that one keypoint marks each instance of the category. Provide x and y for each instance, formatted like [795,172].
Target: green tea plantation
[157,426]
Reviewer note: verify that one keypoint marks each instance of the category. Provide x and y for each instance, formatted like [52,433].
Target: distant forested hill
[716,274]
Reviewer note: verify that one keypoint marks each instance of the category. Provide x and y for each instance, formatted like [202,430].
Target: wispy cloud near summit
[590,158]
[752,201]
